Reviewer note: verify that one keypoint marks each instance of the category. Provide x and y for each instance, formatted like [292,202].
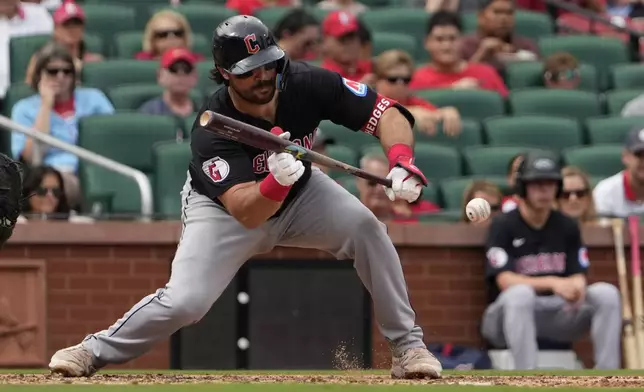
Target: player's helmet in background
[242,43]
[10,196]
[538,165]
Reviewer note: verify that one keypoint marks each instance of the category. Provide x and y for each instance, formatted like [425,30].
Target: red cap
[173,55]
[339,23]
[68,10]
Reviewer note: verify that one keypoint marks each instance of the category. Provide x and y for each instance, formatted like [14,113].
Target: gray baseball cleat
[416,363]
[74,361]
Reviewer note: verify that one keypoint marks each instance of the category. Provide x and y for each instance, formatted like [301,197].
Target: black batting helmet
[538,165]
[243,43]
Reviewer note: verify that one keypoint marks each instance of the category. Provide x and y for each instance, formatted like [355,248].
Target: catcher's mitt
[10,196]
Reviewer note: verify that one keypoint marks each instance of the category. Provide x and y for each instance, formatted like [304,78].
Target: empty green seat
[599,160]
[141,7]
[617,99]
[528,24]
[15,93]
[606,130]
[108,19]
[398,20]
[627,76]
[491,160]
[170,161]
[383,41]
[473,104]
[127,138]
[452,190]
[529,74]
[343,154]
[272,15]
[203,18]
[555,102]
[205,83]
[537,131]
[345,136]
[471,135]
[111,73]
[187,125]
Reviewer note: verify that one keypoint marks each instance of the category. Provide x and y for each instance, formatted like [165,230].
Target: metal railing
[141,179]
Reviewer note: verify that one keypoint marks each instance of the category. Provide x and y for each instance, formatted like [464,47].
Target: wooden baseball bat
[256,137]
[638,307]
[631,360]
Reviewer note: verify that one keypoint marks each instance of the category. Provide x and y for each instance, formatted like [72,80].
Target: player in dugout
[536,275]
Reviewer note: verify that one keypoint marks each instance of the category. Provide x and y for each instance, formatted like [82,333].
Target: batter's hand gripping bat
[631,360]
[638,307]
[256,137]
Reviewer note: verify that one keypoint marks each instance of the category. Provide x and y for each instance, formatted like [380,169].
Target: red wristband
[273,190]
[398,152]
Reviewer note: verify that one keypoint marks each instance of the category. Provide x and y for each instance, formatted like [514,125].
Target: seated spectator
[484,190]
[561,70]
[393,70]
[319,145]
[495,42]
[576,199]
[366,41]
[55,110]
[19,20]
[177,75]
[509,203]
[298,34]
[447,68]
[353,6]
[249,7]
[69,29]
[536,276]
[45,188]
[622,194]
[341,47]
[166,29]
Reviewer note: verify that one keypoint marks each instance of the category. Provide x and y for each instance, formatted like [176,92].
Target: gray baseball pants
[214,246]
[519,316]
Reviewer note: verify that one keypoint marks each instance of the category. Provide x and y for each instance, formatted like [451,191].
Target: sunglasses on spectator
[396,79]
[579,193]
[268,67]
[53,71]
[566,74]
[179,33]
[73,22]
[42,191]
[181,67]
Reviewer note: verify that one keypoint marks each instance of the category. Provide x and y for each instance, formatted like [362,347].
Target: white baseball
[478,210]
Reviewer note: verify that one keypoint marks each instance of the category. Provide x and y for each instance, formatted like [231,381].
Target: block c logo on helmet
[252,46]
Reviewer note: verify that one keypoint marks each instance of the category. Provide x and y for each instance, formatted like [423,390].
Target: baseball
[478,210]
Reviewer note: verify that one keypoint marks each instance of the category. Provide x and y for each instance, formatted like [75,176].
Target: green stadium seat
[528,24]
[15,93]
[205,83]
[452,190]
[272,15]
[170,160]
[399,20]
[132,96]
[106,20]
[187,125]
[532,130]
[627,76]
[127,138]
[343,154]
[383,41]
[472,104]
[607,130]
[471,135]
[22,48]
[602,52]
[345,136]
[111,73]
[599,160]
[491,160]
[555,102]
[617,99]
[446,216]
[529,74]
[141,7]
[203,18]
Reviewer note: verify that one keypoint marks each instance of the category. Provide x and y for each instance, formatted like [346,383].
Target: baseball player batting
[239,201]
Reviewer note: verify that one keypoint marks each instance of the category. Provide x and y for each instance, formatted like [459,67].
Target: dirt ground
[349,378]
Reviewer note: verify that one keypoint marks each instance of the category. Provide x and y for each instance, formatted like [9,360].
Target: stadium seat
[187,125]
[599,160]
[472,104]
[471,135]
[22,48]
[127,138]
[383,41]
[111,73]
[452,190]
[529,74]
[141,7]
[129,43]
[132,96]
[205,83]
[555,102]
[272,15]
[170,160]
[617,99]
[398,20]
[343,154]
[345,136]
[106,20]
[15,93]
[606,130]
[602,52]
[446,216]
[203,18]
[528,24]
[533,130]
[491,160]
[627,76]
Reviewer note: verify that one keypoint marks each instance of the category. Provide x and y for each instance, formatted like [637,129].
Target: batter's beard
[250,96]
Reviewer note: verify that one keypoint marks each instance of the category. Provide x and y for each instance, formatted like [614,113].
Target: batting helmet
[243,43]
[538,165]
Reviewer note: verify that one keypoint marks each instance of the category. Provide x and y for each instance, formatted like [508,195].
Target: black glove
[10,196]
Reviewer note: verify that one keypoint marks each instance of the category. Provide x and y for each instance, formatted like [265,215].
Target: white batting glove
[284,167]
[404,185]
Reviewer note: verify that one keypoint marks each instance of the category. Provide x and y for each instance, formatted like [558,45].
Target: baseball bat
[631,360]
[256,137]
[638,307]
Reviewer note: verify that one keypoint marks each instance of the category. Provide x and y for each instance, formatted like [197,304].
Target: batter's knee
[364,224]
[603,294]
[187,306]
[519,296]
